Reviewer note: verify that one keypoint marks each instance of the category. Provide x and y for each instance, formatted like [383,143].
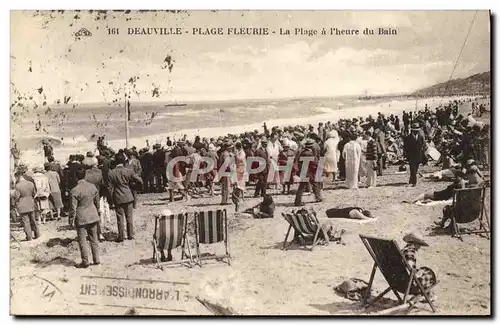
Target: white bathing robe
[331,157]
[352,156]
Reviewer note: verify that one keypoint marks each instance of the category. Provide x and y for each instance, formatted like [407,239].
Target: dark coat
[262,153]
[120,181]
[414,149]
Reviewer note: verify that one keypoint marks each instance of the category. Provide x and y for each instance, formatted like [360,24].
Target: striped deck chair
[468,205]
[210,228]
[304,225]
[171,232]
[389,259]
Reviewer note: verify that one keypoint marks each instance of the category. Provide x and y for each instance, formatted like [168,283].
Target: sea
[74,128]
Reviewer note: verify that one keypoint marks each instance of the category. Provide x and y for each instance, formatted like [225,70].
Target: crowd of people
[355,150]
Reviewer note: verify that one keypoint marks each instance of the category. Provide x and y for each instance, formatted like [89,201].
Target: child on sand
[425,275]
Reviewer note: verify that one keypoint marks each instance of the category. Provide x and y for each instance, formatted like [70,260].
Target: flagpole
[126,122]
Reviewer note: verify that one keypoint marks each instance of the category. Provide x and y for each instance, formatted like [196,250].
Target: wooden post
[126,122]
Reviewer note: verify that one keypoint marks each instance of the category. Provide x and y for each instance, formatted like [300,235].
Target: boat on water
[365,97]
[175,105]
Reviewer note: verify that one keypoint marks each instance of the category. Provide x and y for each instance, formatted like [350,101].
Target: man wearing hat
[379,137]
[94,176]
[84,209]
[261,152]
[147,166]
[120,179]
[285,155]
[414,151]
[89,160]
[160,169]
[225,157]
[48,151]
[25,205]
[425,275]
[312,165]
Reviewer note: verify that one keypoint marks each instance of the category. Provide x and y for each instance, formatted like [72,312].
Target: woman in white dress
[363,142]
[331,156]
[352,156]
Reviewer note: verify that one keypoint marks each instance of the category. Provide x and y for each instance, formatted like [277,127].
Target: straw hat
[38,169]
[415,238]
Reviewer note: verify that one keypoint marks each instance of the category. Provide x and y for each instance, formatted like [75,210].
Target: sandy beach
[262,278]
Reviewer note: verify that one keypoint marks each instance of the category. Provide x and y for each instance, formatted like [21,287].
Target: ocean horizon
[76,128]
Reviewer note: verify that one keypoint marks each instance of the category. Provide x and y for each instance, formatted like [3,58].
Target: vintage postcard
[250,162]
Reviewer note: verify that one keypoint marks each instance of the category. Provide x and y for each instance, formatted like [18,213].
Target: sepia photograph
[250,163]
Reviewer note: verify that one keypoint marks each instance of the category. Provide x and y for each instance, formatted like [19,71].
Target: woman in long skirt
[352,156]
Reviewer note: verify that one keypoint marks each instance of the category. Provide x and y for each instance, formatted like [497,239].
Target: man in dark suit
[414,150]
[261,186]
[121,179]
[84,208]
[160,169]
[312,166]
[379,136]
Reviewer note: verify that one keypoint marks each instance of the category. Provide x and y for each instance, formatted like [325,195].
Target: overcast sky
[233,67]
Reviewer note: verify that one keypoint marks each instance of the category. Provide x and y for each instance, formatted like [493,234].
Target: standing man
[225,181]
[48,151]
[312,166]
[120,180]
[160,169]
[147,166]
[261,186]
[84,207]
[134,164]
[93,175]
[379,136]
[25,204]
[371,161]
[414,151]
[406,122]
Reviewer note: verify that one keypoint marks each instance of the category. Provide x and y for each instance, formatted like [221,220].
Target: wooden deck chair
[171,232]
[468,205]
[210,228]
[389,259]
[304,225]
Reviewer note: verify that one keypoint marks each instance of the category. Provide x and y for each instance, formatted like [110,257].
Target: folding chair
[305,225]
[468,205]
[389,259]
[210,228]
[171,232]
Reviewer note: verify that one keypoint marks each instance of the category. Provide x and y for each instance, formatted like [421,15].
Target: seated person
[470,177]
[474,179]
[349,213]
[263,210]
[425,275]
